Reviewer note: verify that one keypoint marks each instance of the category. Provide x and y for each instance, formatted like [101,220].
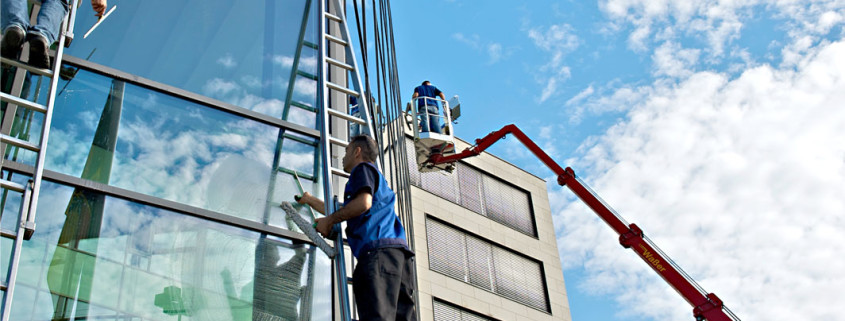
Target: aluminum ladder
[333,74]
[29,201]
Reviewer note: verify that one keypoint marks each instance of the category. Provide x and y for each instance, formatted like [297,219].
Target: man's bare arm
[312,201]
[352,209]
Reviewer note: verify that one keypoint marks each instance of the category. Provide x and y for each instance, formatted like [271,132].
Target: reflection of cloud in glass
[238,185]
[306,63]
[227,61]
[217,87]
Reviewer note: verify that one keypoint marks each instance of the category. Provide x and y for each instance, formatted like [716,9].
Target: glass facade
[95,256]
[178,128]
[241,52]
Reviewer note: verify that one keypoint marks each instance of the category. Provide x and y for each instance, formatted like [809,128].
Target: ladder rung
[23,103]
[339,172]
[349,280]
[338,142]
[12,186]
[346,116]
[337,40]
[334,17]
[310,44]
[306,75]
[19,143]
[342,89]
[340,64]
[303,106]
[30,68]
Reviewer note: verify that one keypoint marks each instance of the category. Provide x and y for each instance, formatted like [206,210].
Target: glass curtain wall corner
[161,100]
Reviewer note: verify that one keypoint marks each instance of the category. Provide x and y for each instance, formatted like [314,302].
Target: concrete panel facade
[434,285]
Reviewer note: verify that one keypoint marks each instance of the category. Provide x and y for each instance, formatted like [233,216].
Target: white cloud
[581,95]
[717,22]
[494,50]
[473,41]
[557,40]
[739,180]
[673,61]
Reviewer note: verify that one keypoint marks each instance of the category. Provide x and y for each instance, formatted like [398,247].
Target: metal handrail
[446,115]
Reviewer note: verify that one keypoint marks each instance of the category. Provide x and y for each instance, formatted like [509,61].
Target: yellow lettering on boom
[651,259]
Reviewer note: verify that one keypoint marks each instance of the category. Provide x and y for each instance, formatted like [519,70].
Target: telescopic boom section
[706,306]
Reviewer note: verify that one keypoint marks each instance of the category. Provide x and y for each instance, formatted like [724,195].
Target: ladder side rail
[363,100]
[48,116]
[325,155]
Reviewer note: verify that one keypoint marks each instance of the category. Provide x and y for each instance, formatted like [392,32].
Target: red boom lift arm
[706,306]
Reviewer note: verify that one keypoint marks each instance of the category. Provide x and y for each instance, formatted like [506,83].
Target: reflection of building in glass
[174,137]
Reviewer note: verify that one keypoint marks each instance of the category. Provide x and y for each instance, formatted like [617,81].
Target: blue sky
[716,126]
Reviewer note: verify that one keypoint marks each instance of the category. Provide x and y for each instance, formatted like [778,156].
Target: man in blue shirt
[383,280]
[428,107]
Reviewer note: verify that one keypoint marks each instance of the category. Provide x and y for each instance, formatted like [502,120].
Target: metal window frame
[189,96]
[541,264]
[145,199]
[435,299]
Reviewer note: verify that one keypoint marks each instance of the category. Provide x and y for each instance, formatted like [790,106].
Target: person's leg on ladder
[15,23]
[42,35]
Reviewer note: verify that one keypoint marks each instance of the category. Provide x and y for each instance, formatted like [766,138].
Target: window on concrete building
[476,261]
[477,191]
[447,312]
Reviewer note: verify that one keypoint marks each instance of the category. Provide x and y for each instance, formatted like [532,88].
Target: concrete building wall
[543,248]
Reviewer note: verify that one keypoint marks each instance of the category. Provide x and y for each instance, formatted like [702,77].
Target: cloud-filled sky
[716,126]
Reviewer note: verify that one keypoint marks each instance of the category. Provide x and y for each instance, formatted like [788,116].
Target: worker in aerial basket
[428,108]
[383,278]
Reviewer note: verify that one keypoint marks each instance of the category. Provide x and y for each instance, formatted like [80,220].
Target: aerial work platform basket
[432,129]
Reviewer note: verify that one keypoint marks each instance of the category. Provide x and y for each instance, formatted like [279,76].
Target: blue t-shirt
[378,227]
[427,91]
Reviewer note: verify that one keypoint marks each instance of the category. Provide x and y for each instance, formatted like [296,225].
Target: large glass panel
[6,245]
[10,203]
[242,52]
[99,257]
[138,139]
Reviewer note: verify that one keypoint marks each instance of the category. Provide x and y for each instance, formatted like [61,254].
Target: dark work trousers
[383,283]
